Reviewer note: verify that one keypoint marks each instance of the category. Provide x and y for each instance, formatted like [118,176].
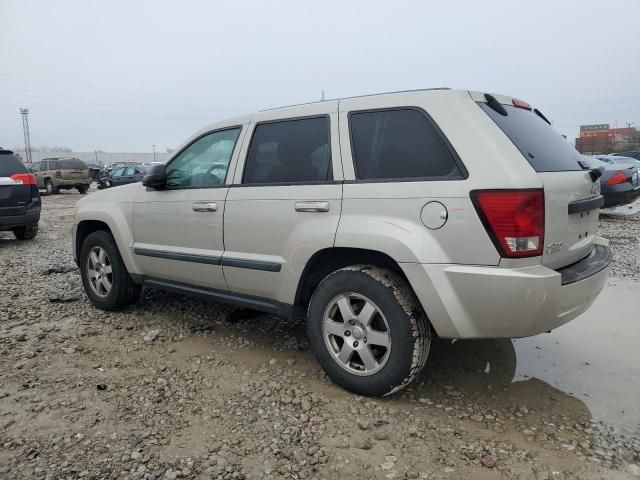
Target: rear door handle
[312,206]
[205,207]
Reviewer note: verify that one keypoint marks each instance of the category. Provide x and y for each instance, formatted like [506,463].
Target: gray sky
[122,75]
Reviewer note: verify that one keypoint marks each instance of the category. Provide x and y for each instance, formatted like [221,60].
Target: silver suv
[384,219]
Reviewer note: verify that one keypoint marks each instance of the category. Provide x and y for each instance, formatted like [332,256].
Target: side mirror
[156,177]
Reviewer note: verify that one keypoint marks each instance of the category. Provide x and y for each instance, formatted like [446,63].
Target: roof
[357,96]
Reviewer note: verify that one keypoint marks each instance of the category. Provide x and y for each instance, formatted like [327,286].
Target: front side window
[35,167]
[118,172]
[290,151]
[205,162]
[129,171]
[399,144]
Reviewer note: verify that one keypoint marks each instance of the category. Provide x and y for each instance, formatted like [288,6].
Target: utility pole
[25,129]
[322,96]
[154,152]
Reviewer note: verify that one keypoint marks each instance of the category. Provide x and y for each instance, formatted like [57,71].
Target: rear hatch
[14,196]
[74,168]
[570,194]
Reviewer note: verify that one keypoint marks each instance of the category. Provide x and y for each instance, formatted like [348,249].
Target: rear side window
[73,164]
[54,165]
[290,151]
[10,164]
[400,144]
[544,148]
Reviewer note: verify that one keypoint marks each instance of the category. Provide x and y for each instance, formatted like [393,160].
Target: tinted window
[10,164]
[54,165]
[73,164]
[544,148]
[399,144]
[205,162]
[289,151]
[44,165]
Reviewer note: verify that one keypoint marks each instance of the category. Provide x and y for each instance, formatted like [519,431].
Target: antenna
[25,129]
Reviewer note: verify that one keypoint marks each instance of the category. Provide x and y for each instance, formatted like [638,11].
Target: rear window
[10,164]
[73,164]
[543,147]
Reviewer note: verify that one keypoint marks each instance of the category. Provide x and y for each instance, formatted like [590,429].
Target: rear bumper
[72,182]
[492,302]
[30,218]
[620,195]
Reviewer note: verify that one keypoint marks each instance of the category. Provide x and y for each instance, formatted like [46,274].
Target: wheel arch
[328,260]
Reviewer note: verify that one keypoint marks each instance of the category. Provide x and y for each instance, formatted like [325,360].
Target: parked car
[620,160]
[19,198]
[94,170]
[123,176]
[619,183]
[384,219]
[632,153]
[55,174]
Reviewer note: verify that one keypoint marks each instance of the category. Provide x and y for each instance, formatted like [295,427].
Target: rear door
[285,202]
[74,169]
[570,194]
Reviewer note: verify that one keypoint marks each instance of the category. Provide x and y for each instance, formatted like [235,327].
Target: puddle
[595,358]
[589,367]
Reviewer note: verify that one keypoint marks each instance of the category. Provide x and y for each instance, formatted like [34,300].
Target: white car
[385,219]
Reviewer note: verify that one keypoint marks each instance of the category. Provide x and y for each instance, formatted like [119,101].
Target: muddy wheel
[104,275]
[26,233]
[83,189]
[368,330]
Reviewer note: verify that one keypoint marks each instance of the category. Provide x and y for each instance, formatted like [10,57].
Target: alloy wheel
[356,334]
[99,271]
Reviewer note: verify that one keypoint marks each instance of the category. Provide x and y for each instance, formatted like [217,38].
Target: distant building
[600,138]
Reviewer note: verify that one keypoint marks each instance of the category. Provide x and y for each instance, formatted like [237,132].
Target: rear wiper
[539,113]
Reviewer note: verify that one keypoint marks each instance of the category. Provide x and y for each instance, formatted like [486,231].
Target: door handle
[312,206]
[204,207]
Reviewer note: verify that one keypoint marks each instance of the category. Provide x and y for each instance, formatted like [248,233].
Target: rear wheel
[27,232]
[368,330]
[83,189]
[104,275]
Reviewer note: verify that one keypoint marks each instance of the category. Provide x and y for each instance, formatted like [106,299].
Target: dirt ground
[180,388]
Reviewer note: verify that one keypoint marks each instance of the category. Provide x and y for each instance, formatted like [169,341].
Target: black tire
[407,324]
[124,291]
[27,232]
[48,186]
[83,189]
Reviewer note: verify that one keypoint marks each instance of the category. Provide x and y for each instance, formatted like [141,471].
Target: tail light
[520,104]
[24,178]
[514,219]
[617,178]
[58,174]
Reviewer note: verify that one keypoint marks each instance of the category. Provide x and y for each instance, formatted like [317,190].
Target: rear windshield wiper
[539,113]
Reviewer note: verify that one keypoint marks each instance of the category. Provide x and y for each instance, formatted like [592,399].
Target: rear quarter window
[400,144]
[543,147]
[10,164]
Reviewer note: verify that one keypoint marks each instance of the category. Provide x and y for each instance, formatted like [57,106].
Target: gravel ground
[179,388]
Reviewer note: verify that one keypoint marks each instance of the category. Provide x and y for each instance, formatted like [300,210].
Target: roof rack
[357,96]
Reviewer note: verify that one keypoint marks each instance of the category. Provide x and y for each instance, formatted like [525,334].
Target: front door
[285,202]
[178,231]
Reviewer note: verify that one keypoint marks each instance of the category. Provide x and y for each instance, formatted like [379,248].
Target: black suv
[19,197]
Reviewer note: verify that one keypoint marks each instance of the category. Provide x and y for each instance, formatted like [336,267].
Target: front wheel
[368,330]
[48,186]
[105,278]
